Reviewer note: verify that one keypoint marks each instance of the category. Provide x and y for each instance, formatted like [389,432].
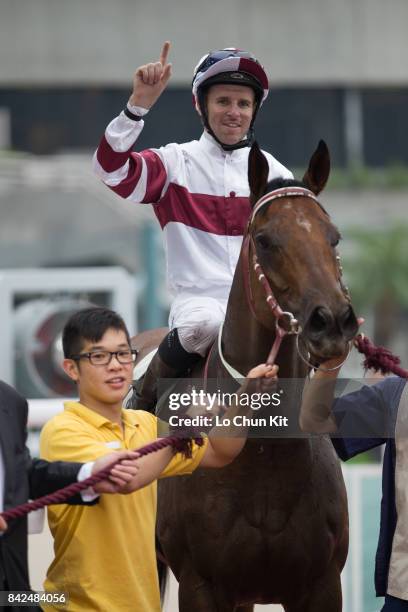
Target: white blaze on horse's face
[230,109]
[303,222]
[300,218]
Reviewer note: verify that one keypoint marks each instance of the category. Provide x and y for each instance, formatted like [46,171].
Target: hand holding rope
[62,495]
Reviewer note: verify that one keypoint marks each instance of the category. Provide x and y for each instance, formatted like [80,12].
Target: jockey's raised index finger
[164,52]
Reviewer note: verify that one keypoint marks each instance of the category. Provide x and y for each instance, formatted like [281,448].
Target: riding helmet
[229,66]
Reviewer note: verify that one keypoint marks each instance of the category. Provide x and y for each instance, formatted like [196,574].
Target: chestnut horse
[272,527]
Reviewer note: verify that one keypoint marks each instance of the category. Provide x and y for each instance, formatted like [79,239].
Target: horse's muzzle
[326,333]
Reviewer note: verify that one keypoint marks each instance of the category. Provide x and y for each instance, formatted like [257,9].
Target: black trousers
[393,604]
[5,587]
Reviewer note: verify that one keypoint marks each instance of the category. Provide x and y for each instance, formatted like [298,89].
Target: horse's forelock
[280,182]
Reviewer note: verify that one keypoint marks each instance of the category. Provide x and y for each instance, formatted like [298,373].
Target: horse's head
[295,244]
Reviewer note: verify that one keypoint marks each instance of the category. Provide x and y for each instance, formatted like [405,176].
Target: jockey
[199,191]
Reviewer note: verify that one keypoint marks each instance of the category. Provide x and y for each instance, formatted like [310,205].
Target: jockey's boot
[171,352]
[144,395]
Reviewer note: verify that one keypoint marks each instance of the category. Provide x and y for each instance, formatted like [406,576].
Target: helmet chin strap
[246,142]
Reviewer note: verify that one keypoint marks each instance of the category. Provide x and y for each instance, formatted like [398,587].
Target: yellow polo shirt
[105,554]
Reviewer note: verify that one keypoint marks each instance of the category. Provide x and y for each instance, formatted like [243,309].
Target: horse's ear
[319,169]
[258,171]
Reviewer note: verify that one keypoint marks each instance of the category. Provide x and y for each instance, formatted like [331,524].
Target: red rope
[60,496]
[378,358]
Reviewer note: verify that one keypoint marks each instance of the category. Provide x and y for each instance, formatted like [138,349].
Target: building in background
[337,70]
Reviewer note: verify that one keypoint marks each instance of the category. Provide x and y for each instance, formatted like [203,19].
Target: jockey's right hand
[150,80]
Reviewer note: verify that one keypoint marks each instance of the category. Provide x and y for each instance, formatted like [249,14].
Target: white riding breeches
[197,320]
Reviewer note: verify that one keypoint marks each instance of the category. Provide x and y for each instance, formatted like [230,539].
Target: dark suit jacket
[24,478]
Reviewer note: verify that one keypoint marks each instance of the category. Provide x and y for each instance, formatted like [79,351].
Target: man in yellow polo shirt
[105,558]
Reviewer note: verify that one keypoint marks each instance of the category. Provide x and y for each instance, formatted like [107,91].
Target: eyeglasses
[105,357]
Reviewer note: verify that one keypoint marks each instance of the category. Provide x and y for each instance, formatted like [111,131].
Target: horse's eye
[334,238]
[263,241]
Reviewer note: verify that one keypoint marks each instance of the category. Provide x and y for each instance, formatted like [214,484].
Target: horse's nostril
[323,322]
[319,321]
[348,322]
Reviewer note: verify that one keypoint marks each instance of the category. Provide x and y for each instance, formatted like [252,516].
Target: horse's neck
[247,343]
[244,344]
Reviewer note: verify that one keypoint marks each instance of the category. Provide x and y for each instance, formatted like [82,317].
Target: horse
[271,527]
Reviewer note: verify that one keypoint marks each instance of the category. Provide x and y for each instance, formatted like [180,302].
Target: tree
[377,274]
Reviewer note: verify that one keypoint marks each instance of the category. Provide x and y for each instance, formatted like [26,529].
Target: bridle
[292,327]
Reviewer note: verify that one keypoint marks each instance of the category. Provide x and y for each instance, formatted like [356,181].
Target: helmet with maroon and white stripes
[229,66]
